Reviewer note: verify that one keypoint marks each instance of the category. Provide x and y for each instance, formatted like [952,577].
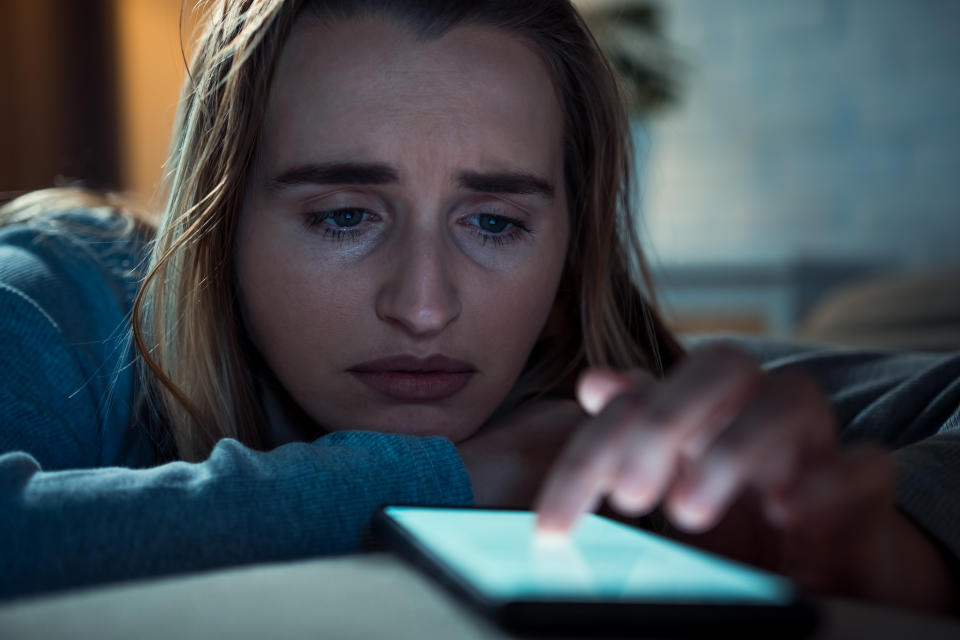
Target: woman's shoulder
[80,268]
[67,282]
[48,245]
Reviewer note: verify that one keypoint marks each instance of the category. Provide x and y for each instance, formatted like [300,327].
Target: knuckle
[627,407]
[720,460]
[660,415]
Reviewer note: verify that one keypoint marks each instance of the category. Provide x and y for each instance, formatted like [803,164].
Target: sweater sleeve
[74,508]
[72,528]
[906,402]
[67,284]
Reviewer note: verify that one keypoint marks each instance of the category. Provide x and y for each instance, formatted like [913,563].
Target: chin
[415,421]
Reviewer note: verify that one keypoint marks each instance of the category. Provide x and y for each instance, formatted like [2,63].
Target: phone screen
[498,553]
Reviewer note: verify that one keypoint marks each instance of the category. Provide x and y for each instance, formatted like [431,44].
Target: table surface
[364,596]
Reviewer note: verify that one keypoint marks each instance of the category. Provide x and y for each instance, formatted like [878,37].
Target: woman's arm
[738,454]
[73,512]
[907,403]
[65,374]
[72,528]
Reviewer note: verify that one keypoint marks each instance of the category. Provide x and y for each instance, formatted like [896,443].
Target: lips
[411,379]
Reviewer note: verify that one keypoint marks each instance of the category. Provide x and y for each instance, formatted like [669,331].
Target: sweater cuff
[441,471]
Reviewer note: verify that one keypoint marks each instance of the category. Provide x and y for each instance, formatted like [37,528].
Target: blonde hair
[200,366]
[49,204]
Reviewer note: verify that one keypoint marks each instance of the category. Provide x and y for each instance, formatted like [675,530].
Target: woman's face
[405,226]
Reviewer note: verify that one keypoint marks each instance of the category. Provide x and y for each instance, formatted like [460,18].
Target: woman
[396,235]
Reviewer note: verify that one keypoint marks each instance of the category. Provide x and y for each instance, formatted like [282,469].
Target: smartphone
[605,578]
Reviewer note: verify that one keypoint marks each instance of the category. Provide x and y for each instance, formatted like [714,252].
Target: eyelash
[337,234]
[517,229]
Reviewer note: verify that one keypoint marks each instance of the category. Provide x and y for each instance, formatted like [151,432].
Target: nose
[419,293]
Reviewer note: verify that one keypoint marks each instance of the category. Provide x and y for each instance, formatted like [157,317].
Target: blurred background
[799,159]
[88,91]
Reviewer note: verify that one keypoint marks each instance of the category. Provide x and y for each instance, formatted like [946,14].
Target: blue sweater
[83,500]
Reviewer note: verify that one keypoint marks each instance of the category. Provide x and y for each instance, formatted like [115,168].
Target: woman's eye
[500,230]
[491,223]
[341,218]
[340,224]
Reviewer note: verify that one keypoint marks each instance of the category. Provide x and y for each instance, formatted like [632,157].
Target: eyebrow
[335,173]
[512,182]
[506,182]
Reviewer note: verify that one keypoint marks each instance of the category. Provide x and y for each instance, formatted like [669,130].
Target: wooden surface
[368,596]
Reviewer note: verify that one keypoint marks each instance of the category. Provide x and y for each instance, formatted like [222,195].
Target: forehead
[476,97]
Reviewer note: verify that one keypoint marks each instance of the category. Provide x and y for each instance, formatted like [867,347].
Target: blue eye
[345,224]
[500,230]
[342,218]
[339,224]
[491,223]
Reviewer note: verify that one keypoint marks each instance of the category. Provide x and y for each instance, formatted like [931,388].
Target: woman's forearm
[72,528]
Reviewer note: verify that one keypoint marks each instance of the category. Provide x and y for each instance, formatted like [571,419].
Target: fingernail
[635,492]
[636,503]
[694,505]
[597,387]
[691,513]
[591,402]
[595,393]
[639,486]
[552,523]
[543,538]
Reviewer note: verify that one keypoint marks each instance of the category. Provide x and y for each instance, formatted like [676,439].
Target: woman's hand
[694,441]
[508,459]
[747,463]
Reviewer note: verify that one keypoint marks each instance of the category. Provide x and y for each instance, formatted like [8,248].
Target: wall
[88,92]
[57,86]
[809,128]
[151,70]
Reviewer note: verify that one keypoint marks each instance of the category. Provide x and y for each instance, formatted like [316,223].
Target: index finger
[585,470]
[597,387]
[631,449]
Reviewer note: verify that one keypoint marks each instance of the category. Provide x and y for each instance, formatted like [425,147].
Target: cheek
[506,327]
[515,311]
[511,307]
[297,304]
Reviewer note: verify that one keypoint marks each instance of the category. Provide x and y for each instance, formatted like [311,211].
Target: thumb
[597,387]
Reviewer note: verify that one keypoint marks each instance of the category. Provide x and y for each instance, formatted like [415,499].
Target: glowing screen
[499,554]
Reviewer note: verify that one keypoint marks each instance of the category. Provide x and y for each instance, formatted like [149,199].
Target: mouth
[411,379]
